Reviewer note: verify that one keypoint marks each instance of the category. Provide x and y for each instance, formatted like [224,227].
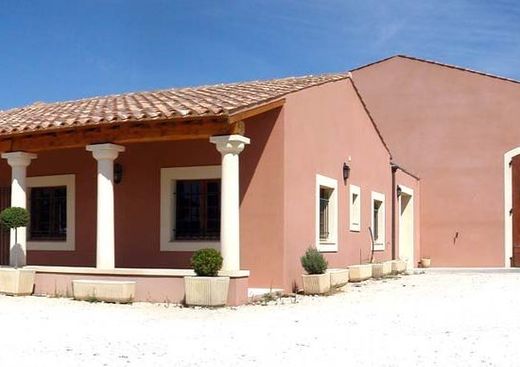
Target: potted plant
[316,281]
[13,280]
[207,288]
[426,262]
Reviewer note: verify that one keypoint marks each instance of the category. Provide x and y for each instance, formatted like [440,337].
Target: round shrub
[206,262]
[14,217]
[313,261]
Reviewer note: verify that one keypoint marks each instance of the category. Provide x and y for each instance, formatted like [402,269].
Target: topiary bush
[313,261]
[14,217]
[206,262]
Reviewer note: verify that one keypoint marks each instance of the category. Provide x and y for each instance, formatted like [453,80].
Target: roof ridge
[438,63]
[374,63]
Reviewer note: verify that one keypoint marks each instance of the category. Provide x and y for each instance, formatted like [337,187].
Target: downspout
[394,169]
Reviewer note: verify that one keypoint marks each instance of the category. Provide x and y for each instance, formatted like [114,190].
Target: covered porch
[105,203]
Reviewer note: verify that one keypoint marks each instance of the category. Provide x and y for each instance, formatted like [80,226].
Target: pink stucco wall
[451,128]
[262,225]
[324,126]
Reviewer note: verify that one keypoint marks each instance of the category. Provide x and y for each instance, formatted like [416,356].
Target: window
[326,214]
[51,205]
[198,210]
[325,194]
[190,208]
[48,214]
[355,208]
[378,220]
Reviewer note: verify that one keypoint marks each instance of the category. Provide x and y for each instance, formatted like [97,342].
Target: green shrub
[313,262]
[14,217]
[206,262]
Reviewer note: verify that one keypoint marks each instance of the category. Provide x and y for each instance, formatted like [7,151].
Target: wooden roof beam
[253,111]
[121,134]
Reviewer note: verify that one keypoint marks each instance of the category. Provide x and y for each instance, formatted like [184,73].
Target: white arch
[508,204]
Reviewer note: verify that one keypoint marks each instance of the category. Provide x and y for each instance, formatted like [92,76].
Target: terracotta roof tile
[204,101]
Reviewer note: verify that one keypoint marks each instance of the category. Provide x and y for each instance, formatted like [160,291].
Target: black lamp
[346,171]
[118,173]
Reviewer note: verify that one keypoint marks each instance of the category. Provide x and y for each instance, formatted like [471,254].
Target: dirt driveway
[419,320]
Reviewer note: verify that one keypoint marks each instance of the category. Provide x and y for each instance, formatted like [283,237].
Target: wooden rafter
[250,112]
[121,133]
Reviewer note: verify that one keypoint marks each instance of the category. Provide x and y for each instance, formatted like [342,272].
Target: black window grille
[48,208]
[324,213]
[197,210]
[377,208]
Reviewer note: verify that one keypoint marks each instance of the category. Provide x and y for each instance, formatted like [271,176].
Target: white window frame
[379,243]
[355,210]
[49,181]
[168,178]
[331,243]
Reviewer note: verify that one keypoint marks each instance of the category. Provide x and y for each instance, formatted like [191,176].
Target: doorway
[515,210]
[406,227]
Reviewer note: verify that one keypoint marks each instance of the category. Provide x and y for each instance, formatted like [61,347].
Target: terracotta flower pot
[338,277]
[316,283]
[104,290]
[206,291]
[398,266]
[16,282]
[426,262]
[358,273]
[381,270]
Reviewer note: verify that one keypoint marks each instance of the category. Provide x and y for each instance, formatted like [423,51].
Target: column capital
[230,143]
[105,151]
[19,159]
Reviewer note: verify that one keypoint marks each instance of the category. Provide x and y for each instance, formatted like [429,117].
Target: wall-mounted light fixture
[346,171]
[398,191]
[118,173]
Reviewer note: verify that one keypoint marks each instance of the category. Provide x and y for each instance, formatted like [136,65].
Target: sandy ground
[419,320]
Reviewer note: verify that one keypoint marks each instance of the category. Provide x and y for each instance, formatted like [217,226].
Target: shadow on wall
[18,256]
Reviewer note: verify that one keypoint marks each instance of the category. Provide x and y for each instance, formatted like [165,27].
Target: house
[457,129]
[418,155]
[128,186]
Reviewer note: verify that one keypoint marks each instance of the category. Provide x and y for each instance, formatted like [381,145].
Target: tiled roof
[204,101]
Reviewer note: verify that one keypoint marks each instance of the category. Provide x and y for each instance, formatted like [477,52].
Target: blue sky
[58,50]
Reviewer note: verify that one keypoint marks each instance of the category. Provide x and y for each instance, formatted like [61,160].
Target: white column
[19,161]
[230,147]
[105,154]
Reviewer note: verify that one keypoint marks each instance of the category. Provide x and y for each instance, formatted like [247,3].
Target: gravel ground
[419,320]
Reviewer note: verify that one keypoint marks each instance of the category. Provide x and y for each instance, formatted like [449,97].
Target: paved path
[421,320]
